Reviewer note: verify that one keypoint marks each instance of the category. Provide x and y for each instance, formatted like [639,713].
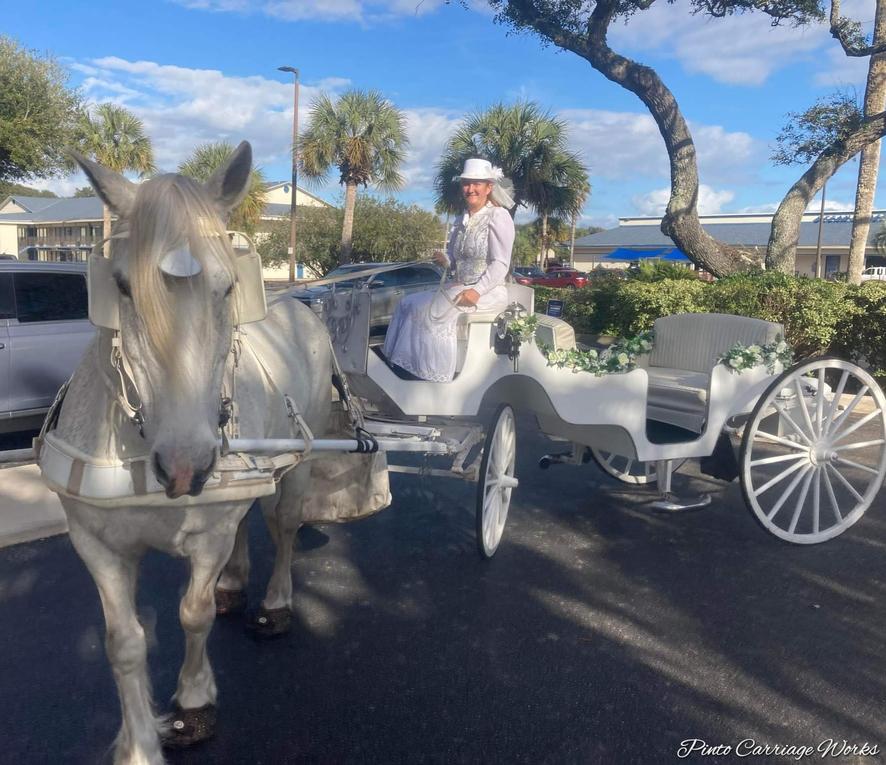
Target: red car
[562,277]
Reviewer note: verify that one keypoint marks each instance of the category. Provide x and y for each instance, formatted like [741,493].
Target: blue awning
[661,253]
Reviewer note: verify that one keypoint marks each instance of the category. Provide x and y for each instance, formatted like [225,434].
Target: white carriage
[810,440]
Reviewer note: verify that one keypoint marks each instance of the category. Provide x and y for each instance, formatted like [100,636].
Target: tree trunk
[544,237]
[869,164]
[680,221]
[781,253]
[572,245]
[347,229]
[106,230]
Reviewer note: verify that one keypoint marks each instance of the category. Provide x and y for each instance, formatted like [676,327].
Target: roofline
[298,188]
[760,214]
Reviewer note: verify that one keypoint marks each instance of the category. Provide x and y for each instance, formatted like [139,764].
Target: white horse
[150,397]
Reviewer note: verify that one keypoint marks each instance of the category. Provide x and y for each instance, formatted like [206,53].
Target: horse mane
[169,211]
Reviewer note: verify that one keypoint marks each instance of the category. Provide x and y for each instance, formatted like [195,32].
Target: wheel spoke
[831,496]
[779,440]
[819,401]
[860,445]
[844,415]
[608,460]
[835,403]
[861,423]
[845,482]
[783,412]
[780,458]
[816,501]
[857,465]
[802,400]
[787,492]
[780,477]
[802,499]
[629,466]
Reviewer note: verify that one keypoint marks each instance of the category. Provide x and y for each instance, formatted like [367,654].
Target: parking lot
[600,632]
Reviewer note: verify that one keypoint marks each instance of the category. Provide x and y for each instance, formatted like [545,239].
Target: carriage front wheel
[496,481]
[813,454]
[628,469]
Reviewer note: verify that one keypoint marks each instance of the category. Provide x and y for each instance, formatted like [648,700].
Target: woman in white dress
[421,338]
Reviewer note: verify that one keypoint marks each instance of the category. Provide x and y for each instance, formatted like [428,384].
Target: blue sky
[200,70]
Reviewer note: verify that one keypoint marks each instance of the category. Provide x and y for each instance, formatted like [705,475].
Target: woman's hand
[469,297]
[440,258]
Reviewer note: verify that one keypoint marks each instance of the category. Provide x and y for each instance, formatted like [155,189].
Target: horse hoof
[229,601]
[190,726]
[269,623]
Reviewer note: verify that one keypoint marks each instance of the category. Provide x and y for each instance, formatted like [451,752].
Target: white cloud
[319,10]
[184,107]
[739,50]
[654,203]
[625,145]
[843,70]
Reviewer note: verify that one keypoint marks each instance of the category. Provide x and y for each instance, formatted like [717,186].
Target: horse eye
[229,290]
[122,285]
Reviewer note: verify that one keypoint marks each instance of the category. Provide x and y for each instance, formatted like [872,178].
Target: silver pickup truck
[44,329]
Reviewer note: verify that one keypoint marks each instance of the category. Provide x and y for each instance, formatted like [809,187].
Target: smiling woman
[421,339]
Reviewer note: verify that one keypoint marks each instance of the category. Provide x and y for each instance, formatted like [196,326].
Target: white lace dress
[421,338]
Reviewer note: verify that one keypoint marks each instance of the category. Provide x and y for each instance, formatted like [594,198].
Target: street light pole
[294,170]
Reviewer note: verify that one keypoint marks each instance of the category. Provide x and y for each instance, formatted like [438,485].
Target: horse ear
[229,184]
[115,191]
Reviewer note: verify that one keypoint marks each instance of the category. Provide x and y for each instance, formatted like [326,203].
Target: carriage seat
[687,347]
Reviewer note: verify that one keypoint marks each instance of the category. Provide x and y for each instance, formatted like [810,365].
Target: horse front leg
[230,591]
[283,515]
[194,702]
[115,575]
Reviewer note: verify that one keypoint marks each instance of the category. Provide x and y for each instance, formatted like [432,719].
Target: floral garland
[619,358]
[524,327]
[739,358]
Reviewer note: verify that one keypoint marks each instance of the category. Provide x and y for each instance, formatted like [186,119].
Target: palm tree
[205,160]
[116,138]
[364,136]
[560,188]
[527,143]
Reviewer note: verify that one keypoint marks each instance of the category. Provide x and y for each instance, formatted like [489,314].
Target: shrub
[818,316]
[659,270]
[861,334]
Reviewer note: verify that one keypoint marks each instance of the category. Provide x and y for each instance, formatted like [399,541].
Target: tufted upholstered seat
[687,347]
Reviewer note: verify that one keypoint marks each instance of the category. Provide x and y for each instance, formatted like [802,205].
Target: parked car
[568,278]
[527,274]
[874,273]
[386,289]
[44,330]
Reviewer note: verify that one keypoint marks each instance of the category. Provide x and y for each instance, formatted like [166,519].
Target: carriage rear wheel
[628,469]
[813,454]
[496,480]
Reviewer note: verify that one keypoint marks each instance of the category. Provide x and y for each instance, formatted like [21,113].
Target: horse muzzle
[182,476]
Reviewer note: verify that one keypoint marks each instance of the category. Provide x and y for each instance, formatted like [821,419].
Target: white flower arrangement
[619,358]
[740,358]
[524,327]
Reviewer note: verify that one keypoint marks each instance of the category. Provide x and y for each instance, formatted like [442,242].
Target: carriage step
[671,503]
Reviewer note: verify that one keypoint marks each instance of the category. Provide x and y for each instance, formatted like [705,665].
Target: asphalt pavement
[601,632]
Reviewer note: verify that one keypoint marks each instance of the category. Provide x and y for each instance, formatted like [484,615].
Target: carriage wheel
[811,466]
[497,480]
[628,469]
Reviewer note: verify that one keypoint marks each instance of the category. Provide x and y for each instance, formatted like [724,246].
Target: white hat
[479,170]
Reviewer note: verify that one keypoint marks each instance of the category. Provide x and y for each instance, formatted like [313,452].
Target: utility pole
[818,274]
[294,170]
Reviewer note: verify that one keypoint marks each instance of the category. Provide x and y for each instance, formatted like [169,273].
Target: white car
[874,273]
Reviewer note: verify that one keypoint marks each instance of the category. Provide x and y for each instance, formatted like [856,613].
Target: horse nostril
[159,471]
[202,475]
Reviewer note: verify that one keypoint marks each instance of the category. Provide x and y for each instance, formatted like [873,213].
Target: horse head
[175,271]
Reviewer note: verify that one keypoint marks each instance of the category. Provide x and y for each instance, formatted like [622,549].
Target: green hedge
[818,316]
